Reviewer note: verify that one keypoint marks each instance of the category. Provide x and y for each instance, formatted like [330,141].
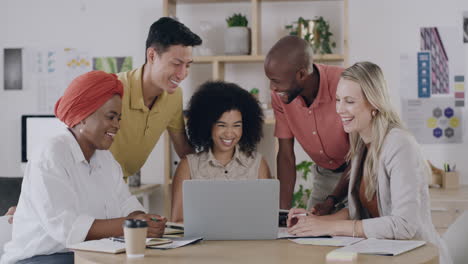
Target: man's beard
[294,93]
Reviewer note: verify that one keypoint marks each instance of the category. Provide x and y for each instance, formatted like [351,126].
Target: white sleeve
[55,203]
[128,203]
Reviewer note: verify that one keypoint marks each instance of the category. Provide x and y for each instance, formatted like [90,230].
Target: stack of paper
[336,241]
[382,246]
[178,242]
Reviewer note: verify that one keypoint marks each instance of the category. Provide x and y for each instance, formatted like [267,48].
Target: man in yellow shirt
[152,100]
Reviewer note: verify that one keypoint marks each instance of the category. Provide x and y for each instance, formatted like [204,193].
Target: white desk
[144,192]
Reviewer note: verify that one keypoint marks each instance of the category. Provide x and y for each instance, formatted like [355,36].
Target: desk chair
[10,189]
[5,235]
[456,238]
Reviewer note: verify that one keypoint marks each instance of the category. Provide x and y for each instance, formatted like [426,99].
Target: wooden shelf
[258,58]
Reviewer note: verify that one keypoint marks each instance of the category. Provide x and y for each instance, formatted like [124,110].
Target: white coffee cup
[135,237]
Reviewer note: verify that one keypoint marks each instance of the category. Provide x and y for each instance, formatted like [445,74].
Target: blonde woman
[388,192]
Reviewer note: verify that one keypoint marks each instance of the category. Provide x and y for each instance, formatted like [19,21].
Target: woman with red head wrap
[73,189]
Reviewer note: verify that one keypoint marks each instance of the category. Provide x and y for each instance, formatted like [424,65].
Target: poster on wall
[113,64]
[13,69]
[424,76]
[52,70]
[465,27]
[433,120]
[433,42]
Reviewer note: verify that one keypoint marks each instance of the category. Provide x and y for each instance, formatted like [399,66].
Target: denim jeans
[57,258]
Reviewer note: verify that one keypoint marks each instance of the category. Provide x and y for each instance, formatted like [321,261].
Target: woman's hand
[156,224]
[293,214]
[11,211]
[311,225]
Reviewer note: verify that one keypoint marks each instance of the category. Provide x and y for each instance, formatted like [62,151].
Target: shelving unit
[257,56]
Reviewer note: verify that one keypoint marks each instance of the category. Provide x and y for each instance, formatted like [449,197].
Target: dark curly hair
[208,104]
[167,32]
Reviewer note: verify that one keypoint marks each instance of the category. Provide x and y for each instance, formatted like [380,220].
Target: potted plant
[254,92]
[315,31]
[301,194]
[237,35]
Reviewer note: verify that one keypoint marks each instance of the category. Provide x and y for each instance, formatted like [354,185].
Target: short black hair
[210,102]
[167,32]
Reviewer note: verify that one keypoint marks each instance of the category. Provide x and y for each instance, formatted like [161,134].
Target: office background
[379,31]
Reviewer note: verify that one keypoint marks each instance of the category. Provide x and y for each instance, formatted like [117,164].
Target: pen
[303,214]
[117,239]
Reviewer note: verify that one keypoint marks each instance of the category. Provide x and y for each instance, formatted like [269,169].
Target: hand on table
[156,224]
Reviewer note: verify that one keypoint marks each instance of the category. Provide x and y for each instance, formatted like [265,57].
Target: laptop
[231,210]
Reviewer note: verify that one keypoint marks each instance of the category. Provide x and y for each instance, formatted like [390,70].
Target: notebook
[113,245]
[283,234]
[383,247]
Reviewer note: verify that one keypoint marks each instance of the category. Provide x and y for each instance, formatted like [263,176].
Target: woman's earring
[81,130]
[374,112]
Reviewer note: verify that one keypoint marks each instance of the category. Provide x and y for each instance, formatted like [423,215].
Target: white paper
[336,241]
[5,231]
[178,242]
[382,246]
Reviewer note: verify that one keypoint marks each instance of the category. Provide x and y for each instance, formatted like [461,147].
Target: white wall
[379,31]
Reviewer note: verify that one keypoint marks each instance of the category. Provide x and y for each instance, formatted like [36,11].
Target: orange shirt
[317,128]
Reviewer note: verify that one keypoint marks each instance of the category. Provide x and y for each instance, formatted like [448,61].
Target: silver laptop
[231,210]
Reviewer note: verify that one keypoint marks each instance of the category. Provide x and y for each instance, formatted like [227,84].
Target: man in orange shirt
[303,100]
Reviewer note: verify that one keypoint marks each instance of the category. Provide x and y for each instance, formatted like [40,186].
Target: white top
[61,196]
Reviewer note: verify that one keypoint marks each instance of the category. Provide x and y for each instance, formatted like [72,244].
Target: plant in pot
[237,35]
[315,31]
[301,194]
[254,92]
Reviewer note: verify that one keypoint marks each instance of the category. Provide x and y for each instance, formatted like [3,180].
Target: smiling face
[170,68]
[355,111]
[98,129]
[283,81]
[227,131]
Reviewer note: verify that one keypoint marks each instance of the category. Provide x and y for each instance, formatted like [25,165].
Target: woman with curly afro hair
[224,126]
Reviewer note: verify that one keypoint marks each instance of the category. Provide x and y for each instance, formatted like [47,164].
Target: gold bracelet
[354,228]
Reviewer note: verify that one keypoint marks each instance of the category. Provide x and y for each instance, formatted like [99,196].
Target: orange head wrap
[86,94]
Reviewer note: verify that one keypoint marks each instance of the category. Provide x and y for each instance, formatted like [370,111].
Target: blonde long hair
[374,88]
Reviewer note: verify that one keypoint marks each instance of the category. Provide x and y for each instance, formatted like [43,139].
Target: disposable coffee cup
[135,237]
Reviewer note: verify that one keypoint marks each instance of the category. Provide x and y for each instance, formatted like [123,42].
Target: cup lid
[135,223]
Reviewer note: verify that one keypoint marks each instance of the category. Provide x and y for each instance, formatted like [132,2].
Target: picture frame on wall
[465,27]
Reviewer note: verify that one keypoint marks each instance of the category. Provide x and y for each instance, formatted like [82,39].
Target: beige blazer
[402,194]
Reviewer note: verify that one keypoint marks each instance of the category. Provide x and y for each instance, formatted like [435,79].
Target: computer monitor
[35,129]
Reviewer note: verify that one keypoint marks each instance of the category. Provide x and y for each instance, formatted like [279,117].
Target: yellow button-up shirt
[141,127]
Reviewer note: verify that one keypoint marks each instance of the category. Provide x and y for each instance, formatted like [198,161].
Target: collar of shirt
[77,153]
[136,93]
[238,156]
[323,95]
